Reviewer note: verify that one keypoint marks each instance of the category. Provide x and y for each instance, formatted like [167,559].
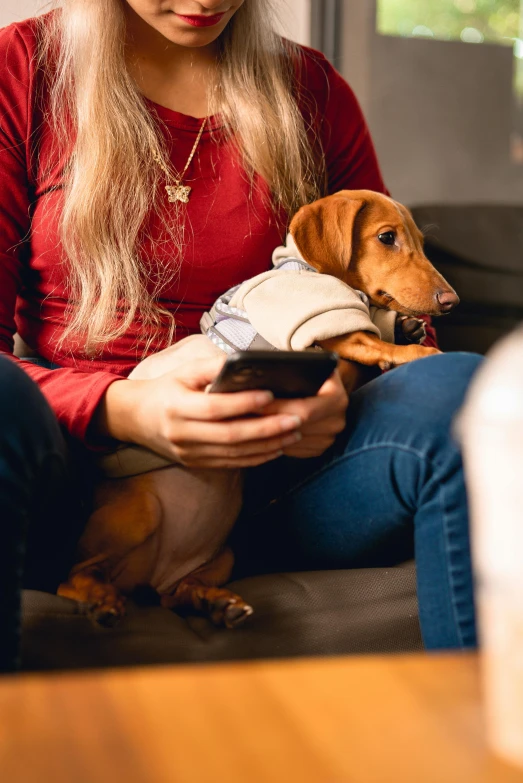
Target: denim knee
[459,366]
[435,390]
[442,381]
[415,404]
[434,386]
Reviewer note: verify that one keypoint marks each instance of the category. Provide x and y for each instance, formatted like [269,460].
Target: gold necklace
[179,192]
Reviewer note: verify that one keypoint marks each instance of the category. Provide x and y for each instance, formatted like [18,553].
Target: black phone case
[287,374]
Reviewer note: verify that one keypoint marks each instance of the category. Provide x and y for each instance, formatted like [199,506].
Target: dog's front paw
[410,330]
[403,354]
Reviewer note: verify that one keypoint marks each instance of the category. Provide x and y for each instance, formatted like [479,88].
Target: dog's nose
[447,300]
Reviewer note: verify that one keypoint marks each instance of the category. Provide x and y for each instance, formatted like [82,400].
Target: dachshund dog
[371,242]
[163,525]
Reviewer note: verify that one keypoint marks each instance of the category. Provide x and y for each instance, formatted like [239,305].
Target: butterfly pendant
[178,193]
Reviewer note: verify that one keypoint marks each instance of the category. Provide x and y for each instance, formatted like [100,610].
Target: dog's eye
[388,238]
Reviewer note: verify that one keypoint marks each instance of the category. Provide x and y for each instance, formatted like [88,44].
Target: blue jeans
[40,519]
[391,486]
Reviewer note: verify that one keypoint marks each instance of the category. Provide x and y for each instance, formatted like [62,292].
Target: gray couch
[479,250]
[317,613]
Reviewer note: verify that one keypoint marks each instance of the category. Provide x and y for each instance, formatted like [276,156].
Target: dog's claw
[236,614]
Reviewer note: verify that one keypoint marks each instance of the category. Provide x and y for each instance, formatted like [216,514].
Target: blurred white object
[491,429]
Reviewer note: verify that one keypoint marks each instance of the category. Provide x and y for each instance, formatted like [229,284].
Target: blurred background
[441,85]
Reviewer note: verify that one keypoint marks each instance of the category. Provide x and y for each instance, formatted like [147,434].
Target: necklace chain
[179,192]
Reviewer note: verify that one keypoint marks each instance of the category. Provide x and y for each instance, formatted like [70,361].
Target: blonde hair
[111,185]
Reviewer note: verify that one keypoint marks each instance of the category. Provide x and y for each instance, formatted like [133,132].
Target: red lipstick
[202,21]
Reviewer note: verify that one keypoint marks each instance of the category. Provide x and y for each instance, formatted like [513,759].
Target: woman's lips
[202,21]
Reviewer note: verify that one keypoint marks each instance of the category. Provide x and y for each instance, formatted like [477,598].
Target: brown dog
[166,528]
[372,243]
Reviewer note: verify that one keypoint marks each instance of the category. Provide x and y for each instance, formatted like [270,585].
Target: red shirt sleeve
[72,394]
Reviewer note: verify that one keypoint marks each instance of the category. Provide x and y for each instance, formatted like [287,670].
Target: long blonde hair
[111,186]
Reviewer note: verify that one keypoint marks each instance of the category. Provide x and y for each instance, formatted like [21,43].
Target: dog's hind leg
[200,592]
[128,513]
[115,547]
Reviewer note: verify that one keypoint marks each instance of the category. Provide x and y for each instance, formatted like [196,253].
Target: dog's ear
[323,232]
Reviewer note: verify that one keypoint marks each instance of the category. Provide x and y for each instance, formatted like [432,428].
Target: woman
[152,153]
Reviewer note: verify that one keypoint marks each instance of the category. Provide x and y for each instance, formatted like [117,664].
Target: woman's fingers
[198,374]
[217,407]
[332,425]
[192,403]
[233,433]
[332,398]
[256,448]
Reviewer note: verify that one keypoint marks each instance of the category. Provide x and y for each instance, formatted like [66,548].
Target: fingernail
[294,438]
[290,422]
[264,398]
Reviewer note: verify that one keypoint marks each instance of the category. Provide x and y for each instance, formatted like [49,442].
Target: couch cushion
[479,250]
[315,613]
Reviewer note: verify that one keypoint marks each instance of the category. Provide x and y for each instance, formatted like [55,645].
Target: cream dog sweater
[292,307]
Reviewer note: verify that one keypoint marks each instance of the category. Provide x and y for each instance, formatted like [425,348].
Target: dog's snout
[447,300]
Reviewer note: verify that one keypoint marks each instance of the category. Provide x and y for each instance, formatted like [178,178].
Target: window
[471,21]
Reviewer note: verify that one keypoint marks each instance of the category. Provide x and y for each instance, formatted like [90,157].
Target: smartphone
[287,374]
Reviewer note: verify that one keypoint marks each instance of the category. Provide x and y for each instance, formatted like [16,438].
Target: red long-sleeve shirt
[232,233]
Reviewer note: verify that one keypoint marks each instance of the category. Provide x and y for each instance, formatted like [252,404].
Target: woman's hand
[173,416]
[323,417]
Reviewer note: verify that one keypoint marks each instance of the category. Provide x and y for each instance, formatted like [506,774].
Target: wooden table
[348,720]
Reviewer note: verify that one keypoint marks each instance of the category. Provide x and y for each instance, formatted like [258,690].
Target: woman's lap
[391,487]
[354,506]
